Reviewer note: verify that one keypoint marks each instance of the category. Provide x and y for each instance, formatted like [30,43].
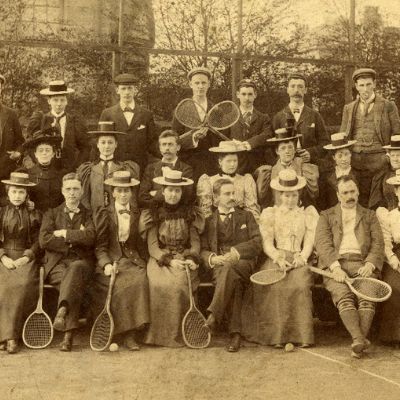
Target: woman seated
[19,248]
[119,248]
[245,187]
[283,311]
[93,174]
[172,232]
[389,330]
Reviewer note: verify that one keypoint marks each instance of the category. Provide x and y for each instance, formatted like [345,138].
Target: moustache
[350,200]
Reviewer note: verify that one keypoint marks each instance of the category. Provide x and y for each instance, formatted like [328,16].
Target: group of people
[146,205]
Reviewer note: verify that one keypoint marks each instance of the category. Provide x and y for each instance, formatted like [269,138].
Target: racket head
[102,332]
[186,113]
[194,332]
[370,289]
[268,276]
[38,331]
[223,115]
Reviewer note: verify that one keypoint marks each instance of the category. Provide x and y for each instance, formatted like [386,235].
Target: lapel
[359,214]
[337,219]
[97,169]
[3,120]
[378,111]
[136,117]
[119,117]
[212,234]
[351,117]
[68,126]
[254,116]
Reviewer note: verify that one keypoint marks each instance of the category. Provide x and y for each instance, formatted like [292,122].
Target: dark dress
[19,230]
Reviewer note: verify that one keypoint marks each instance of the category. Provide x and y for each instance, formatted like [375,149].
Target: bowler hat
[121,179]
[288,181]
[339,141]
[19,179]
[106,128]
[199,70]
[172,177]
[125,79]
[56,88]
[363,73]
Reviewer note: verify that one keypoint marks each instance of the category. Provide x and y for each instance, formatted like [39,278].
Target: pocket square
[312,125]
[141,127]
[244,226]
[81,228]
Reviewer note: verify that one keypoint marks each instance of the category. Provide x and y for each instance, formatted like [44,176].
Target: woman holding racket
[283,311]
[19,247]
[245,187]
[172,233]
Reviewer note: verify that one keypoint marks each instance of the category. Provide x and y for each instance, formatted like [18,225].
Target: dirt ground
[256,372]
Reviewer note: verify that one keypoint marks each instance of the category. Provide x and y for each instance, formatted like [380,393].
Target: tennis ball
[289,347]
[114,347]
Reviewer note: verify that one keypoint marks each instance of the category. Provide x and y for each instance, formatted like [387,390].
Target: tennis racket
[103,328]
[38,329]
[221,116]
[194,332]
[366,288]
[269,276]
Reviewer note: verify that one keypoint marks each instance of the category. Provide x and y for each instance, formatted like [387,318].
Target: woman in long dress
[283,311]
[245,186]
[172,233]
[19,248]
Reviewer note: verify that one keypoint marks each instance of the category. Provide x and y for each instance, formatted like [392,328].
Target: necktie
[167,164]
[128,109]
[226,214]
[105,167]
[247,118]
[124,211]
[296,110]
[57,122]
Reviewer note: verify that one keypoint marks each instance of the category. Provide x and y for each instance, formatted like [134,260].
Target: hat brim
[300,185]
[9,182]
[277,140]
[106,133]
[52,140]
[330,146]
[226,151]
[161,181]
[111,182]
[47,92]
[390,147]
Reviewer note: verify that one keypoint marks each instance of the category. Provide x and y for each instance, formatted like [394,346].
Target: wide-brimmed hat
[288,181]
[56,88]
[125,79]
[199,70]
[394,180]
[172,177]
[283,135]
[19,179]
[339,141]
[227,146]
[363,73]
[106,128]
[394,143]
[47,133]
[121,179]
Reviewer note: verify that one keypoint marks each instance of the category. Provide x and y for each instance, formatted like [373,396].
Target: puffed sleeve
[267,223]
[383,216]
[250,196]
[204,195]
[311,221]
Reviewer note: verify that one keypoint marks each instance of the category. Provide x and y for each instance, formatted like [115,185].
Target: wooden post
[117,55]
[350,68]
[237,60]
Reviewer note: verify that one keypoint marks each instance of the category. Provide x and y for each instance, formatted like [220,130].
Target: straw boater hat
[121,179]
[227,146]
[19,179]
[394,180]
[394,143]
[288,181]
[56,88]
[106,128]
[339,141]
[282,135]
[199,70]
[172,177]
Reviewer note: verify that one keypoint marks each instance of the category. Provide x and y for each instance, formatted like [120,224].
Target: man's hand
[8,262]
[21,261]
[217,260]
[191,264]
[153,193]
[200,134]
[177,263]
[304,154]
[30,205]
[60,233]
[394,262]
[108,268]
[339,275]
[14,155]
[367,270]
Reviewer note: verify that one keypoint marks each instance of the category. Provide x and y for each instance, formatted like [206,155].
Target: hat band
[395,143]
[288,183]
[58,88]
[284,135]
[173,180]
[339,142]
[122,179]
[107,127]
[15,179]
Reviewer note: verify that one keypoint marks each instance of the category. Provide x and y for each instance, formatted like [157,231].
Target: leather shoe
[12,346]
[59,320]
[358,346]
[210,322]
[130,342]
[234,344]
[66,344]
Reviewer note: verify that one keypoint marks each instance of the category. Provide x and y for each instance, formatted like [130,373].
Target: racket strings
[101,332]
[196,334]
[38,331]
[223,115]
[186,113]
[268,276]
[371,288]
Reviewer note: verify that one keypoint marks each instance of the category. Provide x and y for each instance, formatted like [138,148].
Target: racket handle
[41,285]
[186,134]
[321,272]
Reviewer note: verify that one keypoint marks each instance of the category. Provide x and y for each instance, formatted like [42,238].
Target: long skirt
[130,296]
[169,302]
[389,327]
[18,296]
[280,313]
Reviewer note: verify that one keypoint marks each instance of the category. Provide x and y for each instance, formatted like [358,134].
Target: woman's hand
[21,261]
[298,261]
[177,263]
[8,262]
[191,264]
[282,263]
[394,262]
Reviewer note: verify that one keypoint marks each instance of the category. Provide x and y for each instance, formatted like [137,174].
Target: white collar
[57,115]
[368,101]
[231,210]
[292,106]
[119,207]
[243,111]
[202,103]
[341,172]
[348,210]
[104,158]
[285,165]
[130,105]
[170,162]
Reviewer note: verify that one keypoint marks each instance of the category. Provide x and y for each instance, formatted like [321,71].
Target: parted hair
[72,176]
[344,179]
[170,133]
[218,185]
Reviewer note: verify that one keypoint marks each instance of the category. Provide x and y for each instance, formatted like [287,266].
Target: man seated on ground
[349,243]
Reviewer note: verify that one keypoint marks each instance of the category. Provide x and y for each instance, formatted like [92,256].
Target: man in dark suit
[150,194]
[75,143]
[252,130]
[10,138]
[67,235]
[371,120]
[349,242]
[231,244]
[135,121]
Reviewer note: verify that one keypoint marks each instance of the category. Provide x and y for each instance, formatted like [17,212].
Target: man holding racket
[231,243]
[67,235]
[349,243]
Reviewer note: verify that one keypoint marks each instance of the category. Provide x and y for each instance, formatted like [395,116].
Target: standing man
[10,139]
[349,242]
[195,146]
[75,143]
[135,121]
[231,244]
[371,120]
[68,236]
[252,130]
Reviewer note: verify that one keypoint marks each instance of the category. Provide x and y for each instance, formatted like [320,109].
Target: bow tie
[128,109]
[124,211]
[225,214]
[167,164]
[296,111]
[222,174]
[71,211]
[107,161]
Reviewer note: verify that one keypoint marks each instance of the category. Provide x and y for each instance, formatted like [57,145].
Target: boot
[351,321]
[366,318]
